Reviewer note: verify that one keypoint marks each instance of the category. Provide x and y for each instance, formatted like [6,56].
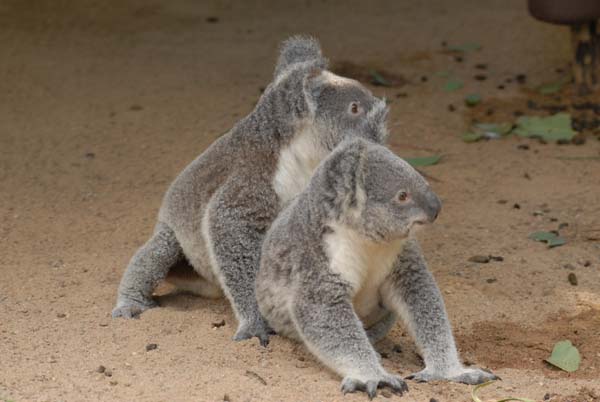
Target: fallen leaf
[549,238]
[553,87]
[378,79]
[424,160]
[551,128]
[472,137]
[464,47]
[472,99]
[565,356]
[453,84]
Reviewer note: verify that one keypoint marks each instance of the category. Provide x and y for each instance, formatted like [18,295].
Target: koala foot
[256,328]
[132,309]
[467,375]
[395,383]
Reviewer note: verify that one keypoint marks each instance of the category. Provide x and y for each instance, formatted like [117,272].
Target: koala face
[346,109]
[396,197]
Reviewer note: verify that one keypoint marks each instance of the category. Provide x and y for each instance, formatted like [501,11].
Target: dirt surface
[103,103]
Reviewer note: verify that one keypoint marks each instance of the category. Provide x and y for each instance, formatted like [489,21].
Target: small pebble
[546,396]
[226,398]
[90,155]
[569,267]
[521,78]
[113,382]
[424,78]
[526,176]
[218,324]
[451,108]
[496,258]
[481,259]
[489,112]
[502,201]
[100,369]
[212,20]
[481,66]
[401,95]
[587,263]
[491,280]
[516,206]
[523,146]
[563,225]
[433,400]
[458,59]
[61,315]
[500,87]
[151,346]
[480,77]
[135,108]
[572,278]
[108,373]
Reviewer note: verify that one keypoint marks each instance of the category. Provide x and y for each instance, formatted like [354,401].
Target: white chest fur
[361,262]
[296,165]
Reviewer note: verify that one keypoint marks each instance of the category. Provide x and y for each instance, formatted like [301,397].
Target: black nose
[434,206]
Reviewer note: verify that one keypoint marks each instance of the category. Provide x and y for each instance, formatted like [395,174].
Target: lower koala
[339,265]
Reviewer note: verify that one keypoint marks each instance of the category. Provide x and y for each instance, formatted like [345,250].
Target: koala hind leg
[234,237]
[146,269]
[414,295]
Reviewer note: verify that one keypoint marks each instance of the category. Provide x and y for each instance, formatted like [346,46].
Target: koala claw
[471,376]
[395,383]
[259,329]
[131,309]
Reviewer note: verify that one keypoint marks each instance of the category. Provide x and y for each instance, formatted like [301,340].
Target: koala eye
[402,196]
[355,108]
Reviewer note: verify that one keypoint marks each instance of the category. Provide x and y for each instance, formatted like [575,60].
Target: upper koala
[339,265]
[217,211]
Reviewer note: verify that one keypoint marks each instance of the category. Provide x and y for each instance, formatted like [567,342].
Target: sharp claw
[372,389]
[264,342]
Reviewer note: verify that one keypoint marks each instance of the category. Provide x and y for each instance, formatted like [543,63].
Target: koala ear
[299,49]
[348,177]
[377,121]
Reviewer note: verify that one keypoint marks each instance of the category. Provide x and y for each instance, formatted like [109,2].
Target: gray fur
[217,211]
[340,263]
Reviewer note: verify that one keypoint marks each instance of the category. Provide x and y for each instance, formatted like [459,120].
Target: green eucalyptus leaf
[465,47]
[453,84]
[472,99]
[472,137]
[423,161]
[551,128]
[378,79]
[565,356]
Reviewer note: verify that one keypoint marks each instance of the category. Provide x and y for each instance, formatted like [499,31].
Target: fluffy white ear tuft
[299,49]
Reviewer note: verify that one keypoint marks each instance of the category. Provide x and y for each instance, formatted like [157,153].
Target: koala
[216,213]
[340,263]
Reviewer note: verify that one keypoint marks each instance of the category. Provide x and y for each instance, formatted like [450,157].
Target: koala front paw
[131,309]
[256,328]
[465,375]
[395,383]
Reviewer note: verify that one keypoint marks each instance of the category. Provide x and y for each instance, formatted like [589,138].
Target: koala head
[340,108]
[378,194]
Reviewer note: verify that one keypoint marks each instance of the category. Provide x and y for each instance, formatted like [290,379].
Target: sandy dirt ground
[103,103]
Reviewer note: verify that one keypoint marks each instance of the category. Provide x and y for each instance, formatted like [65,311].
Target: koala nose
[433,206]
